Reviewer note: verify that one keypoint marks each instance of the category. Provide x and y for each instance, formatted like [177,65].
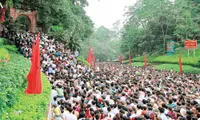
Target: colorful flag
[145,60]
[180,64]
[34,77]
[90,56]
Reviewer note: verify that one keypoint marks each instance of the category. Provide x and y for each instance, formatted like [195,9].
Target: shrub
[1,41]
[32,107]
[11,48]
[3,53]
[82,60]
[12,77]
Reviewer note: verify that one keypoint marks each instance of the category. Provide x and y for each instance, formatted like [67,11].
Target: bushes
[186,68]
[12,77]
[11,48]
[30,107]
[82,60]
[3,53]
[12,85]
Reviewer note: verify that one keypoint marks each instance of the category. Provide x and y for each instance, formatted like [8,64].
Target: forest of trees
[151,23]
[105,44]
[65,20]
[148,26]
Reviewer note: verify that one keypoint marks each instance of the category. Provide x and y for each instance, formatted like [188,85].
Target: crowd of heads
[114,91]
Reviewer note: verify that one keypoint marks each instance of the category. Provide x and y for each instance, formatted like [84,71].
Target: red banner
[34,77]
[121,59]
[130,60]
[190,44]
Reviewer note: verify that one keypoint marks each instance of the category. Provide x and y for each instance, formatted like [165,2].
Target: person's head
[109,109]
[161,109]
[170,101]
[55,98]
[70,109]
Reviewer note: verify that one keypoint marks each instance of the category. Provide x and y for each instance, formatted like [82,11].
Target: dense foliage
[83,61]
[105,44]
[12,85]
[68,14]
[12,78]
[30,107]
[150,23]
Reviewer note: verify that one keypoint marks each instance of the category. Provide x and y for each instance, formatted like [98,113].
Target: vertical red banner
[34,77]
[90,56]
[180,64]
[120,59]
[130,60]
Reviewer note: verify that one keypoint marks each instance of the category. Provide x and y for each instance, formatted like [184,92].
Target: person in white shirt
[162,114]
[69,116]
[53,94]
[115,111]
[123,98]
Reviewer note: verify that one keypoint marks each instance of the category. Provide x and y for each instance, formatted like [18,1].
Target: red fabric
[180,64]
[121,59]
[34,78]
[90,56]
[94,59]
[145,60]
[130,60]
[3,10]
[87,113]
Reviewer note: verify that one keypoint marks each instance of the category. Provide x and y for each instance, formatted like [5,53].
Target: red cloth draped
[145,60]
[90,56]
[180,64]
[130,60]
[3,10]
[121,59]
[34,77]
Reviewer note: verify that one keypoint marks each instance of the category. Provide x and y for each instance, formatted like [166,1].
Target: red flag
[90,56]
[121,59]
[130,60]
[180,64]
[94,59]
[3,10]
[145,60]
[34,78]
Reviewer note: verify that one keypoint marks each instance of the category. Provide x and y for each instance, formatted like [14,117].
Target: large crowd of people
[115,91]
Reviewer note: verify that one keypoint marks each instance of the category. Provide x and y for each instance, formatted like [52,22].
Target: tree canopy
[67,14]
[105,44]
[150,23]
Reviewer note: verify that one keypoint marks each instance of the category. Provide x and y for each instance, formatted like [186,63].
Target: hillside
[14,103]
[190,64]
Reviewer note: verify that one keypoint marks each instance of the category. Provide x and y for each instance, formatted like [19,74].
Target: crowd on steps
[115,91]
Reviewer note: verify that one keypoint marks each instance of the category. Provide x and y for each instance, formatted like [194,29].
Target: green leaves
[11,76]
[29,107]
[150,23]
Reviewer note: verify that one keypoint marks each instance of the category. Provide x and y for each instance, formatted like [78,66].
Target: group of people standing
[115,91]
